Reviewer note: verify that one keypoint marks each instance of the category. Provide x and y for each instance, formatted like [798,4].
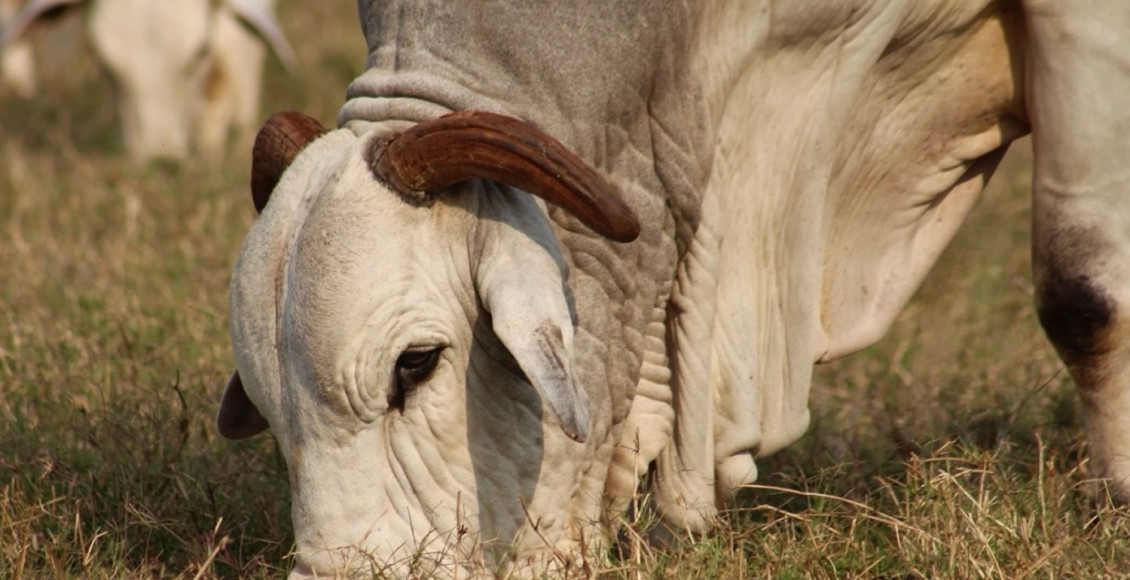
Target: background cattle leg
[232,87]
[1079,103]
[17,64]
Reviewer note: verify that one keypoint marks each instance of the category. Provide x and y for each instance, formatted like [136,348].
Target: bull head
[389,288]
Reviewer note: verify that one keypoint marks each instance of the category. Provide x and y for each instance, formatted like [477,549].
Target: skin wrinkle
[400,473]
[500,474]
[424,483]
[1110,181]
[377,360]
[439,430]
[375,523]
[677,176]
[909,240]
[918,65]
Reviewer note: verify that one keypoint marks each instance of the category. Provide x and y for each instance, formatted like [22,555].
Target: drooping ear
[36,10]
[238,417]
[259,16]
[521,286]
[278,142]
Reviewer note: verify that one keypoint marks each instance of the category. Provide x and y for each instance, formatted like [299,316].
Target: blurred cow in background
[187,71]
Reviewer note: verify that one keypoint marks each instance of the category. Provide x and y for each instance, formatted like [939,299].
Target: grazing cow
[187,72]
[452,365]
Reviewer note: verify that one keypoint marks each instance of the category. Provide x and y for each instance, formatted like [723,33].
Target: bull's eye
[418,362]
[412,366]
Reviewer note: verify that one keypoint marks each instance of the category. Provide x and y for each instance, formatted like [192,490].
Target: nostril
[321,565]
[301,572]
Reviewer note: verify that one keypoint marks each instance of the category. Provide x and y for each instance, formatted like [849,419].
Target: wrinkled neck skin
[637,117]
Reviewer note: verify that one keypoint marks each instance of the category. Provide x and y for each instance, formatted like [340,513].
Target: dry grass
[950,450]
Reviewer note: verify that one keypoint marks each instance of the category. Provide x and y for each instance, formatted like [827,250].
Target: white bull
[187,71]
[451,366]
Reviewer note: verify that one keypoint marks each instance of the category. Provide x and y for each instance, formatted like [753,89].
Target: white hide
[187,73]
[797,168]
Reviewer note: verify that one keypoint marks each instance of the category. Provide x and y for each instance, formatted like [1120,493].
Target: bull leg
[232,88]
[17,67]
[17,63]
[1079,104]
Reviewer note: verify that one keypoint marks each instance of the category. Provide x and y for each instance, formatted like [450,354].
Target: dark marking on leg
[216,81]
[1077,313]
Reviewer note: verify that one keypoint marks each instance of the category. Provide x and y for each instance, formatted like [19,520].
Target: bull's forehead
[141,36]
[357,234]
[370,271]
[379,264]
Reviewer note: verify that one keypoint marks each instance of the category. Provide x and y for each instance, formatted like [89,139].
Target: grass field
[952,449]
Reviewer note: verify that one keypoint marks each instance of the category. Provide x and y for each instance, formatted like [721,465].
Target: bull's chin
[448,566]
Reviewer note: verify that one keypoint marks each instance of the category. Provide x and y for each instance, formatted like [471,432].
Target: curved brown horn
[280,140]
[436,154]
